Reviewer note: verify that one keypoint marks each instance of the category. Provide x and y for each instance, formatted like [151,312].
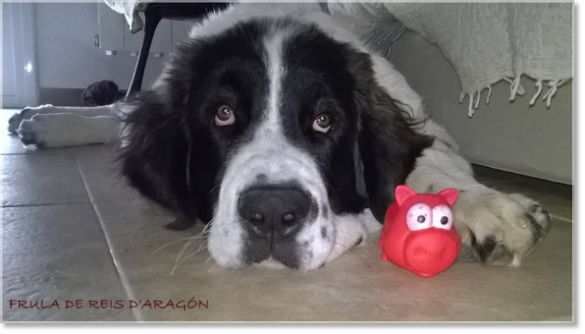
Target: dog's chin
[271,263]
[317,243]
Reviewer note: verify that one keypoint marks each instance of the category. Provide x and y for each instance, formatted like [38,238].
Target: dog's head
[277,134]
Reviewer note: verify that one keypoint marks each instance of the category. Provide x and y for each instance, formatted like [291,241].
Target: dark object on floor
[101,93]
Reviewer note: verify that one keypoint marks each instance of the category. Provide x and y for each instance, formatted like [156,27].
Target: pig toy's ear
[450,195]
[402,193]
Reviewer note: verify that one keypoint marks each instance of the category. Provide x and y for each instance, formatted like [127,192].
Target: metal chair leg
[151,18]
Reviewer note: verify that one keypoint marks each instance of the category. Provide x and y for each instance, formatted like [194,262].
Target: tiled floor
[72,230]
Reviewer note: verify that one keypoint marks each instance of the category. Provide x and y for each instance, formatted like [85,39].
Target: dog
[287,135]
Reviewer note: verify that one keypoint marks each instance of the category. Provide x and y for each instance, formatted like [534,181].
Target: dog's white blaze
[273,45]
[270,153]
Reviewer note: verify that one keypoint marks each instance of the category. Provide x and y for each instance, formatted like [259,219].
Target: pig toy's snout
[431,251]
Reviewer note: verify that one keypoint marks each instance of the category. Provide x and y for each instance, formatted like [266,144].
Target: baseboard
[69,97]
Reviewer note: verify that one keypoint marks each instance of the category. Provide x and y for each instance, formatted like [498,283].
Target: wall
[511,136]
[67,56]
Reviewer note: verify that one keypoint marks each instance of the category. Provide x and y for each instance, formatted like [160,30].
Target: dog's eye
[224,116]
[322,123]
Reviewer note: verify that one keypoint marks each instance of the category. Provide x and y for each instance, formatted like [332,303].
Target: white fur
[67,126]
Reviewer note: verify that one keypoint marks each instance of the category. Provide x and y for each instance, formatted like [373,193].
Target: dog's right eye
[322,123]
[224,116]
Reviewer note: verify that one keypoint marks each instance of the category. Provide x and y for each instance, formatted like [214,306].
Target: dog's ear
[165,161]
[167,156]
[388,144]
[154,153]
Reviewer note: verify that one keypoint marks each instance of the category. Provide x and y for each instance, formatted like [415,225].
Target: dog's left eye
[322,123]
[224,116]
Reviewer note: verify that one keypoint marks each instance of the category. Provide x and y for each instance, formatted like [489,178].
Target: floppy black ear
[387,142]
[154,154]
[167,159]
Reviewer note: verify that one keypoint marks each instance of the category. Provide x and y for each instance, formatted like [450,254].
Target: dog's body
[289,135]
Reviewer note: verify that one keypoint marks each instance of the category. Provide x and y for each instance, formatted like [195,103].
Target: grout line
[123,278]
[504,181]
[561,218]
[41,204]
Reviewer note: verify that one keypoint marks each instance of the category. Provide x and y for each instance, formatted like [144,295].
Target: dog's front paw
[26,113]
[52,130]
[14,122]
[497,228]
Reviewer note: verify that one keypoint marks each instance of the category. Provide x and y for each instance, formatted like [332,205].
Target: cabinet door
[111,28]
[180,30]
[161,42]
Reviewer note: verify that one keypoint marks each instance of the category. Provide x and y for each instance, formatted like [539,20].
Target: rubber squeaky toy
[418,233]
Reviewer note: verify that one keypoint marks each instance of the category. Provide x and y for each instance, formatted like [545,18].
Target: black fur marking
[538,231]
[490,251]
[325,211]
[324,234]
[317,81]
[388,144]
[359,241]
[28,138]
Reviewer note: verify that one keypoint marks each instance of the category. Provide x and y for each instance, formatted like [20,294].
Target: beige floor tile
[356,287]
[40,179]
[58,253]
[101,174]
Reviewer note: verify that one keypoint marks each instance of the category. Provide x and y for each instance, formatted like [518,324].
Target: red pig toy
[418,233]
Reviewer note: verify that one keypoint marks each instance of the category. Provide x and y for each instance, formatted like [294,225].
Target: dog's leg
[29,112]
[58,130]
[495,228]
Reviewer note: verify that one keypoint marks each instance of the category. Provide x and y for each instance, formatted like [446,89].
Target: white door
[19,84]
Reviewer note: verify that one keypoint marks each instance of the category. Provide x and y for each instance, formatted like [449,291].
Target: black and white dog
[287,134]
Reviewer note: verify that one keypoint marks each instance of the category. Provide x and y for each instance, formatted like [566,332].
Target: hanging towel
[486,42]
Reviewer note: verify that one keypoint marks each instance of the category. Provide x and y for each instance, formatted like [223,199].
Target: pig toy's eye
[442,217]
[419,217]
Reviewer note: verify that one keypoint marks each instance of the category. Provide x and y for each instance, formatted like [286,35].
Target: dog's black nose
[273,210]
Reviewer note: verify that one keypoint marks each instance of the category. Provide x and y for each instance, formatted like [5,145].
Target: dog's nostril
[288,220]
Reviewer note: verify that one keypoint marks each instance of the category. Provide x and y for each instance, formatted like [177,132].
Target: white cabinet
[180,30]
[161,42]
[111,29]
[115,35]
